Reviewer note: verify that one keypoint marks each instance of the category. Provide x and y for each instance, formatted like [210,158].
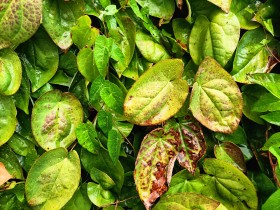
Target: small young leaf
[55,117]
[58,18]
[99,196]
[10,72]
[53,179]
[154,165]
[102,51]
[157,95]
[114,144]
[19,21]
[83,35]
[216,36]
[216,100]
[105,121]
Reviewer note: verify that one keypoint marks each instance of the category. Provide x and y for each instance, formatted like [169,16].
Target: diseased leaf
[10,72]
[230,153]
[223,4]
[216,100]
[55,117]
[39,57]
[19,20]
[191,143]
[157,95]
[53,179]
[8,120]
[5,175]
[185,201]
[154,165]
[99,196]
[216,36]
[83,35]
[182,31]
[58,18]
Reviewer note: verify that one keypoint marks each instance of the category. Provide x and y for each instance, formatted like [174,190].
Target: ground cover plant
[139,104]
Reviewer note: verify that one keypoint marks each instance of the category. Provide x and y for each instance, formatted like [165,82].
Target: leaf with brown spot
[4,174]
[192,145]
[216,100]
[154,165]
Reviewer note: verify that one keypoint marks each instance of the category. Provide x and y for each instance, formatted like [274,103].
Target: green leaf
[21,145]
[103,162]
[150,49]
[231,183]
[185,201]
[216,100]
[157,95]
[19,20]
[53,179]
[223,4]
[9,159]
[163,9]
[269,17]
[10,72]
[154,165]
[199,7]
[274,140]
[252,55]
[61,78]
[87,137]
[272,202]
[99,196]
[182,31]
[272,117]
[86,64]
[58,18]
[244,11]
[216,36]
[8,119]
[68,63]
[55,117]
[102,51]
[105,181]
[230,153]
[22,96]
[105,121]
[114,144]
[270,81]
[39,58]
[83,35]
[266,102]
[79,200]
[237,137]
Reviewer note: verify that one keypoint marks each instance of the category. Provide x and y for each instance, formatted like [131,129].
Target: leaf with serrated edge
[53,179]
[158,94]
[154,165]
[19,20]
[55,117]
[216,100]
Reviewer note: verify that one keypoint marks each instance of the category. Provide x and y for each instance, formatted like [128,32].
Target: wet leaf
[10,72]
[19,20]
[185,201]
[39,58]
[99,196]
[55,117]
[230,153]
[53,179]
[8,119]
[216,100]
[157,95]
[58,18]
[216,36]
[154,165]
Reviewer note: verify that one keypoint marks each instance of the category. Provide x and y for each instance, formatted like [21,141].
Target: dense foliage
[135,104]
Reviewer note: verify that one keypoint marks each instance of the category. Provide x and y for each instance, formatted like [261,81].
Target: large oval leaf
[41,49]
[154,165]
[55,117]
[19,20]
[216,100]
[10,72]
[58,18]
[8,120]
[53,179]
[158,94]
[186,201]
[216,36]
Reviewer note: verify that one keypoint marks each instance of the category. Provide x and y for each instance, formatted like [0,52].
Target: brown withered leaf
[154,165]
[192,145]
[4,174]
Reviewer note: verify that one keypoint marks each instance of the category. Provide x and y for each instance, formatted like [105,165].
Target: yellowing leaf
[158,94]
[154,165]
[4,174]
[223,4]
[216,100]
